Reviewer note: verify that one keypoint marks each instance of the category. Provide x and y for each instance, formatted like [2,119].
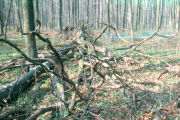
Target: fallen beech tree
[93,61]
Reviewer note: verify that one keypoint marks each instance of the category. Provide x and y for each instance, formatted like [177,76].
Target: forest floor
[113,103]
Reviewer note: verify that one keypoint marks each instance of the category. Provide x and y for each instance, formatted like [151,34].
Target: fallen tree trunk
[14,89]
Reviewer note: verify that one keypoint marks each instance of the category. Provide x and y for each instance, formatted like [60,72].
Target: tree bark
[170,14]
[117,18]
[52,15]
[1,18]
[60,15]
[29,25]
[178,18]
[87,11]
[158,11]
[21,84]
[107,14]
[9,9]
[124,16]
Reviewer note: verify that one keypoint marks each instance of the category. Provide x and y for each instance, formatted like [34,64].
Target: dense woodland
[144,14]
[89,59]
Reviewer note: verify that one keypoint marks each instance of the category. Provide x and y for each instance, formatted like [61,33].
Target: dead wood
[35,92]
[42,111]
[92,66]
[157,82]
[11,112]
[26,80]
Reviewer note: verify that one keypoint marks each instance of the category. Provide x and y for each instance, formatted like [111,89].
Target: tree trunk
[101,13]
[87,11]
[162,13]
[157,17]
[107,14]
[170,14]
[131,22]
[37,10]
[137,15]
[9,9]
[1,18]
[18,16]
[60,15]
[124,16]
[18,86]
[29,25]
[69,12]
[42,12]
[75,12]
[117,3]
[52,15]
[178,18]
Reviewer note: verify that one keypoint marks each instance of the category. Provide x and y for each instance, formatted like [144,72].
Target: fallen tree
[93,61]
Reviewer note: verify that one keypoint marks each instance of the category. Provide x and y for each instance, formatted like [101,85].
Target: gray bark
[60,15]
[29,25]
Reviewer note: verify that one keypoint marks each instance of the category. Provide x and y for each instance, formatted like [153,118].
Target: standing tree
[1,18]
[87,11]
[137,15]
[124,17]
[178,17]
[28,14]
[117,3]
[162,12]
[18,15]
[9,9]
[60,15]
[69,12]
[37,9]
[170,15]
[75,12]
[158,11]
[52,15]
[107,14]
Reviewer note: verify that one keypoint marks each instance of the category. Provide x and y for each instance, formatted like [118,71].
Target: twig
[84,111]
[42,111]
[141,43]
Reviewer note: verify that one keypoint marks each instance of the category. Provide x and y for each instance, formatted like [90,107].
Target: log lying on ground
[13,90]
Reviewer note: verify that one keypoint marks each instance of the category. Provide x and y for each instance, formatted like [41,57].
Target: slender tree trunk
[9,9]
[69,13]
[60,15]
[1,18]
[78,14]
[18,15]
[131,22]
[137,15]
[46,11]
[158,11]
[28,14]
[124,16]
[170,15]
[101,14]
[52,15]
[42,12]
[87,11]
[37,9]
[107,14]
[178,18]
[117,18]
[72,13]
[98,16]
[75,12]
[162,13]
